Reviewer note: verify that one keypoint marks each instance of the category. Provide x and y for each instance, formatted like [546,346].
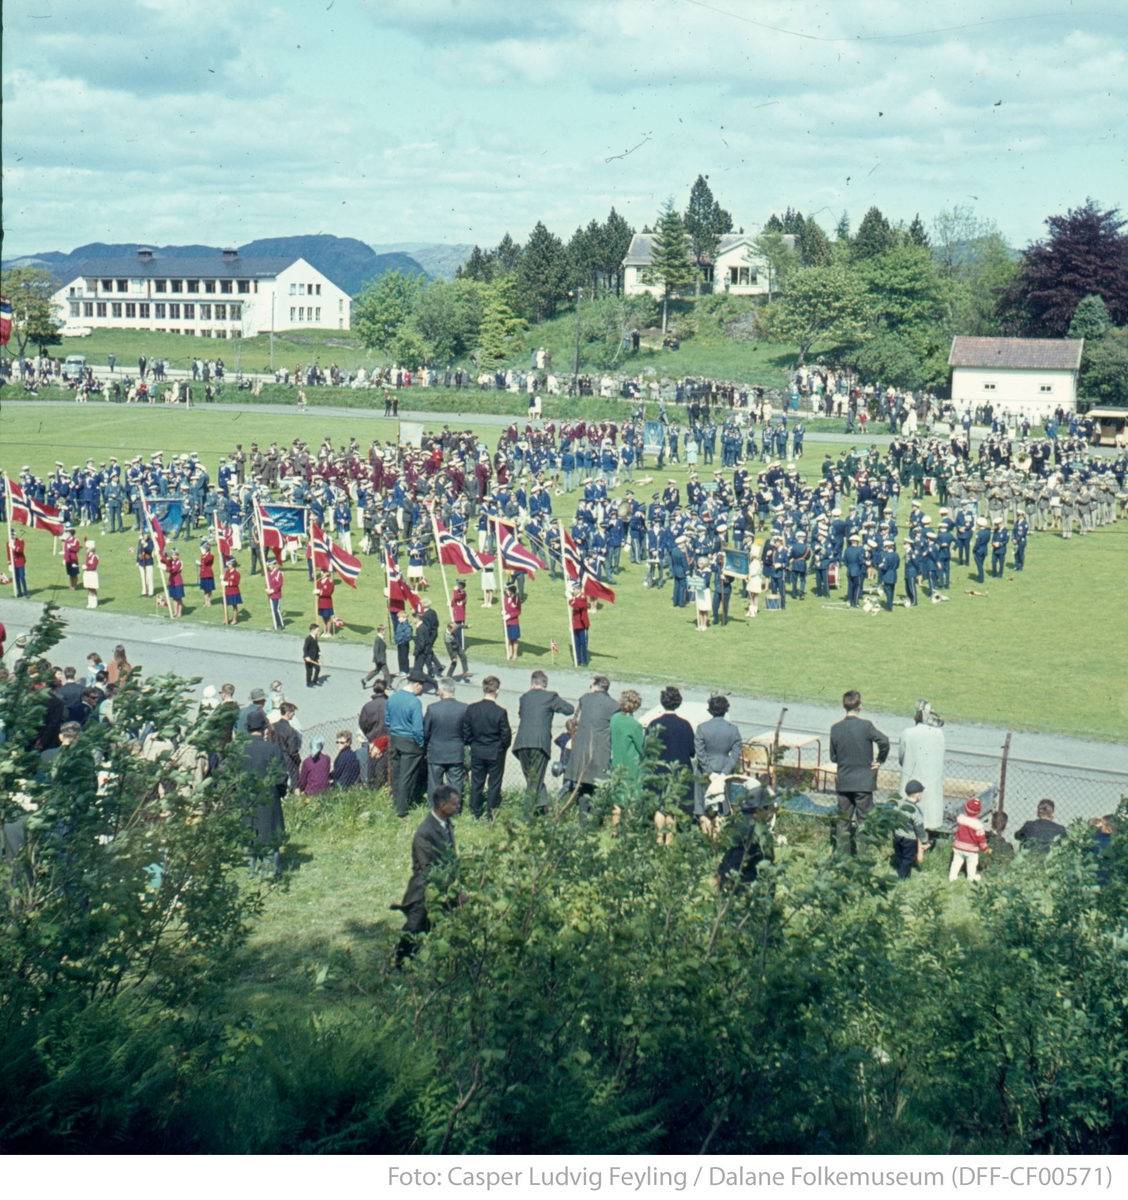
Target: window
[1045,388]
[707,274]
[171,330]
[160,285]
[101,308]
[123,285]
[115,310]
[225,286]
[193,285]
[236,333]
[340,322]
[159,311]
[293,289]
[301,314]
[174,312]
[107,285]
[309,289]
[293,313]
[244,286]
[205,333]
[318,315]
[73,292]
[988,387]
[137,287]
[221,312]
[221,333]
[340,306]
[301,289]
[74,308]
[319,289]
[205,312]
[744,276]
[177,285]
[143,311]
[131,312]
[88,309]
[160,329]
[189,333]
[235,311]
[209,286]
[189,312]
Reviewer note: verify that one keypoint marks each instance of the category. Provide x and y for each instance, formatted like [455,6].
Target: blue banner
[653,435]
[289,519]
[169,512]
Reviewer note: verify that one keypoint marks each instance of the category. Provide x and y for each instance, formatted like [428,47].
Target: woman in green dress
[627,737]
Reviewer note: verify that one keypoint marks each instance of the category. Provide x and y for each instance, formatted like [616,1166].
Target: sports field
[1038,651]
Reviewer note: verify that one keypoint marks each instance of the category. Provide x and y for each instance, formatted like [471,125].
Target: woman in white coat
[921,755]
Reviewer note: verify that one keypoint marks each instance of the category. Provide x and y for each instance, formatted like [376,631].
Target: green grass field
[1032,653]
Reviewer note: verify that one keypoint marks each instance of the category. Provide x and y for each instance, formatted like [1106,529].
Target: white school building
[1033,376]
[222,297]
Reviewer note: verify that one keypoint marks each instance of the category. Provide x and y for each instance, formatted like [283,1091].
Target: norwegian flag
[397,585]
[554,647]
[514,556]
[5,320]
[155,526]
[270,534]
[319,547]
[346,566]
[577,571]
[457,554]
[223,541]
[26,510]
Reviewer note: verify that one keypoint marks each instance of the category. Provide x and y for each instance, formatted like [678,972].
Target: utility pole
[576,358]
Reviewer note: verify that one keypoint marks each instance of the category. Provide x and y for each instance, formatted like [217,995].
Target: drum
[771,603]
[832,575]
[929,485]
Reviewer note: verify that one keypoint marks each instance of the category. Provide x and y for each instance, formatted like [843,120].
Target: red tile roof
[1055,354]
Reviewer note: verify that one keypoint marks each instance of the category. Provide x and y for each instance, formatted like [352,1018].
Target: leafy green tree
[1104,369]
[507,256]
[584,255]
[822,304]
[541,275]
[770,250]
[904,288]
[815,248]
[29,291]
[875,236]
[615,241]
[606,323]
[669,267]
[1090,319]
[499,336]
[384,306]
[916,234]
[480,267]
[705,222]
[448,317]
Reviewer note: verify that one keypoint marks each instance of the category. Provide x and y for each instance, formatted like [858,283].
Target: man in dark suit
[590,761]
[859,748]
[425,638]
[533,744]
[485,729]
[677,743]
[442,735]
[268,824]
[379,659]
[431,847]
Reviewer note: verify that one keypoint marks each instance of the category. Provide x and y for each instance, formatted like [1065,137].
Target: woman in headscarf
[314,775]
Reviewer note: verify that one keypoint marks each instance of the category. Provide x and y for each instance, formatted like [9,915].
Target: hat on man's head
[257,694]
[416,677]
[256,720]
[914,787]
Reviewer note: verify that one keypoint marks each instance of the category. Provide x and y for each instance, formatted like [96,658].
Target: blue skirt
[235,600]
[176,592]
[207,585]
[325,613]
[513,632]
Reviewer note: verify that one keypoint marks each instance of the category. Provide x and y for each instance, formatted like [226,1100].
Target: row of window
[1045,389]
[192,286]
[313,314]
[219,333]
[90,308]
[305,289]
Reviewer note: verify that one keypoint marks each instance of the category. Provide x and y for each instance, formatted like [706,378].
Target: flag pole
[160,558]
[8,518]
[262,554]
[567,595]
[442,568]
[500,579]
[222,566]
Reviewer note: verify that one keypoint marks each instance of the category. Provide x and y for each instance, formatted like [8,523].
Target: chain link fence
[1078,793]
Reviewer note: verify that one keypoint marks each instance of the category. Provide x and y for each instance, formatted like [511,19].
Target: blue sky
[458,120]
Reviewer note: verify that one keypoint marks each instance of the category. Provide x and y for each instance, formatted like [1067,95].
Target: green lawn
[1033,653]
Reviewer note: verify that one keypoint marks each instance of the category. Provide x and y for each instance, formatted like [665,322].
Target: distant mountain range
[347,262]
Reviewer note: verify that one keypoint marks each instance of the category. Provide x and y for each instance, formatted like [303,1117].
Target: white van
[75,366]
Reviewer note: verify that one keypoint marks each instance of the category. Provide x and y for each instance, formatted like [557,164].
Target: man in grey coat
[591,748]
[718,748]
[442,735]
[533,745]
[859,748]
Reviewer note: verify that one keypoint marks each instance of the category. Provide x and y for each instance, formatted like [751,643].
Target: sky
[460,120]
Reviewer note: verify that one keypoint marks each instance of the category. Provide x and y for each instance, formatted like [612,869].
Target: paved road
[250,658]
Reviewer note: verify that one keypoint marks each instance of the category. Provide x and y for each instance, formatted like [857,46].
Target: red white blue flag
[397,585]
[154,525]
[514,556]
[5,320]
[319,547]
[269,534]
[579,572]
[455,553]
[26,510]
[346,566]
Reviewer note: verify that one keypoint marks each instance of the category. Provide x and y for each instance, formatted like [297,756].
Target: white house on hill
[1034,376]
[737,268]
[222,297]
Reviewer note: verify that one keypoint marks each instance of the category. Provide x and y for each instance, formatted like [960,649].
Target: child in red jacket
[971,838]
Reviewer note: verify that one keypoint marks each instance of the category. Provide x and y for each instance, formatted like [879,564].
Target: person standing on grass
[485,729]
[532,746]
[145,552]
[274,594]
[90,576]
[232,596]
[174,577]
[433,846]
[581,623]
[206,565]
[324,593]
[970,841]
[404,719]
[910,841]
[311,656]
[859,748]
[17,560]
[71,548]
[511,607]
